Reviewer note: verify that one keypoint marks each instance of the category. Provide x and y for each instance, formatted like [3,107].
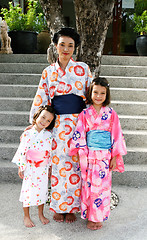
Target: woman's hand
[50,172]
[112,164]
[20,174]
[28,128]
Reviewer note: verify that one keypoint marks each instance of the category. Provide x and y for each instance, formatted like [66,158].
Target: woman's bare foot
[43,219]
[58,217]
[28,222]
[94,225]
[70,217]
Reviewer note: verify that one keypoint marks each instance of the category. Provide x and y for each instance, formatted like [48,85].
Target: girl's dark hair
[102,82]
[68,32]
[49,109]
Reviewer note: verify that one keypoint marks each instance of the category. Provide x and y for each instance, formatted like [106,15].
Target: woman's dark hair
[49,109]
[68,32]
[102,82]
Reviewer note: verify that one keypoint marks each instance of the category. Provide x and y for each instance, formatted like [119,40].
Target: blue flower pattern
[98,202]
[89,184]
[101,174]
[104,116]
[76,135]
[85,213]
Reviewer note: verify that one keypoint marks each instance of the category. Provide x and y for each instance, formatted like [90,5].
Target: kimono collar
[59,69]
[95,113]
[35,132]
[103,114]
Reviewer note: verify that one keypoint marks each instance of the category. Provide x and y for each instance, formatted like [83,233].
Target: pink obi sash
[37,158]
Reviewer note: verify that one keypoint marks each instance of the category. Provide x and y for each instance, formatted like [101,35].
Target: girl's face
[44,120]
[65,47]
[98,95]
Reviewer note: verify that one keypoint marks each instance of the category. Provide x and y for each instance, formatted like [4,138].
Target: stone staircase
[19,78]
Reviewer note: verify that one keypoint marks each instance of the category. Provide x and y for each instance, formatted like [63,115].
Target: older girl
[100,143]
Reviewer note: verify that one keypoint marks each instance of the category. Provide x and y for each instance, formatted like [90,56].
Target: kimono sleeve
[42,94]
[118,142]
[48,141]
[20,156]
[78,144]
[79,136]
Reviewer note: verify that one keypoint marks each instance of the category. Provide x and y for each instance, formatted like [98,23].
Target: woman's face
[65,48]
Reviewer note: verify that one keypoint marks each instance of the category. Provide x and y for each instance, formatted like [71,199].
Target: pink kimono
[95,173]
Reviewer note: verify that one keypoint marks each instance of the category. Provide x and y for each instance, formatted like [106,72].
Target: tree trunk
[54,17]
[92,20]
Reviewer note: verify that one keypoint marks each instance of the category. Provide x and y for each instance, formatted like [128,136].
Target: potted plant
[141,28]
[43,38]
[23,27]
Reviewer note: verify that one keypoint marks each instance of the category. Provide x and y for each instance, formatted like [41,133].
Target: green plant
[140,23]
[30,21]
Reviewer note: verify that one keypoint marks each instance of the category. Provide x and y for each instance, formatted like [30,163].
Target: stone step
[42,58]
[22,67]
[133,122]
[124,60]
[130,107]
[20,78]
[8,150]
[18,91]
[137,138]
[127,94]
[9,169]
[126,71]
[134,176]
[11,134]
[134,155]
[23,58]
[15,104]
[127,82]
[14,118]
[121,107]
[111,70]
[33,79]
[17,118]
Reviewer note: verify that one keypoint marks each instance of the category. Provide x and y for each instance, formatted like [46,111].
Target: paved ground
[128,221]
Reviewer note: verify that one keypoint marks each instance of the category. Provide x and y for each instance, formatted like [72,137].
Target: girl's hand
[20,174]
[112,164]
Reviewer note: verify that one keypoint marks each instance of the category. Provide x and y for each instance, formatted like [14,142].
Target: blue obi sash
[68,104]
[98,140]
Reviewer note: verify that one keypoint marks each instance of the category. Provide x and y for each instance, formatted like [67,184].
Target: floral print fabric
[96,176]
[65,180]
[34,189]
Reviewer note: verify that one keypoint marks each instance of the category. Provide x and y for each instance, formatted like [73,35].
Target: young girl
[33,160]
[99,141]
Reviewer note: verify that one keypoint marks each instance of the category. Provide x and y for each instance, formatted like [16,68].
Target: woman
[63,85]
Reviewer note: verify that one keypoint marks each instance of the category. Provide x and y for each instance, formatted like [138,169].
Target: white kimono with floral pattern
[34,189]
[65,181]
